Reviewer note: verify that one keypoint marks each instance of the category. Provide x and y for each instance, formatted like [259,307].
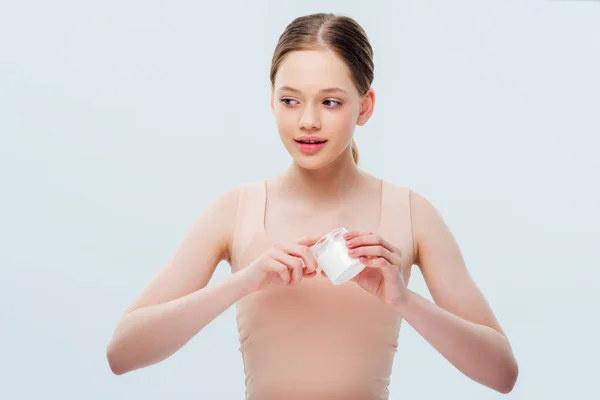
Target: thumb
[309,241]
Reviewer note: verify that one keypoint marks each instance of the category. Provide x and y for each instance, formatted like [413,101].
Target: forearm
[478,351]
[151,334]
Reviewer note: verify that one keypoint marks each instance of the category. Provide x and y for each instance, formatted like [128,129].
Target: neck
[323,185]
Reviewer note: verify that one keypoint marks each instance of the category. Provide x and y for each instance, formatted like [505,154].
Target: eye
[337,103]
[285,101]
[329,103]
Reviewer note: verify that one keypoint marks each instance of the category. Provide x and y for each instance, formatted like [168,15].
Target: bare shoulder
[419,203]
[224,212]
[425,217]
[221,215]
[423,208]
[429,225]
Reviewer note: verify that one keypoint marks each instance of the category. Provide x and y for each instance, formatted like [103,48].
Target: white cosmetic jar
[332,256]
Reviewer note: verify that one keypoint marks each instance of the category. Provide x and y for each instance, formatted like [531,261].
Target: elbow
[114,361]
[509,377]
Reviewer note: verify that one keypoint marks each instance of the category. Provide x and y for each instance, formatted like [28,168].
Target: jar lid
[324,242]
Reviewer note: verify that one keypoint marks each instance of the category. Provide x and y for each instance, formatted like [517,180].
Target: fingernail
[349,243]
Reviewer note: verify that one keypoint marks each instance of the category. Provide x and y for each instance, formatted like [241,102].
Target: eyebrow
[328,90]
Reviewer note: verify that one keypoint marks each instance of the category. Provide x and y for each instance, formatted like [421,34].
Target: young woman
[301,336]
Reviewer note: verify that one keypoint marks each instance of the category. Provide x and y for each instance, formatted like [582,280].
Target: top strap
[250,215]
[396,214]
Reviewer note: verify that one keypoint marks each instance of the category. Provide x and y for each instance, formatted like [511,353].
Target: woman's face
[317,106]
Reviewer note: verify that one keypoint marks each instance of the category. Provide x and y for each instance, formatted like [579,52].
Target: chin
[313,163]
[310,163]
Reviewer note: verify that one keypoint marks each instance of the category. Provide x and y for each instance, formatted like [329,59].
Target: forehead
[313,70]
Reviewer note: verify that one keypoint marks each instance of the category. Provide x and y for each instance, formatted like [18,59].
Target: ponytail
[354,151]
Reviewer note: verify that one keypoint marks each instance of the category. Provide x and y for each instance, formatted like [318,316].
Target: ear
[366,108]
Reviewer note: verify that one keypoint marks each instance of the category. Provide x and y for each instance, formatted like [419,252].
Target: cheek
[340,123]
[285,121]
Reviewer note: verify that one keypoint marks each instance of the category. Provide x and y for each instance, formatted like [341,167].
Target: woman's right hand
[283,265]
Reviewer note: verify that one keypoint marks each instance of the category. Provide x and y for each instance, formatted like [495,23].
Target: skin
[177,303]
[322,177]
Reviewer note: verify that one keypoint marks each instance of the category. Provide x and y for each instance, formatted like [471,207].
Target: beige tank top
[316,340]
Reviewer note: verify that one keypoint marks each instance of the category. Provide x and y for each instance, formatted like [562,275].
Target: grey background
[120,121]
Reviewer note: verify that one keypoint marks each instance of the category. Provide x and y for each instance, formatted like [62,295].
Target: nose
[309,119]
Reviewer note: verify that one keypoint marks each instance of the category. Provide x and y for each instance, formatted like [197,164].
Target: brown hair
[340,34]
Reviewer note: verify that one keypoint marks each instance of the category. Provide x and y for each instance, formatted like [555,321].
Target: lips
[310,139]
[310,144]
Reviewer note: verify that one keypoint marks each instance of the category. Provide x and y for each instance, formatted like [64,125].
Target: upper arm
[205,244]
[443,268]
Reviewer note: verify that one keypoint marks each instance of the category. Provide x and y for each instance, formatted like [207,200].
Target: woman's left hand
[383,275]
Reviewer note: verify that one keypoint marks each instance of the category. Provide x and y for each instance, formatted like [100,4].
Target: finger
[290,261]
[297,274]
[289,258]
[387,269]
[307,274]
[310,262]
[353,234]
[358,238]
[371,240]
[296,266]
[280,269]
[375,251]
[309,241]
